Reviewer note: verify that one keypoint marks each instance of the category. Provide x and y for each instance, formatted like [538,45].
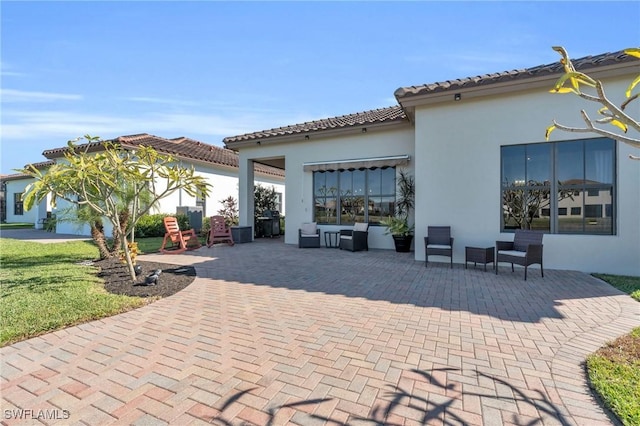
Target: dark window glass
[348,196]
[574,171]
[513,165]
[326,197]
[570,162]
[18,206]
[538,161]
[526,191]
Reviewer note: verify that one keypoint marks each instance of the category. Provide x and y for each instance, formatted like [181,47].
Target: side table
[331,239]
[477,255]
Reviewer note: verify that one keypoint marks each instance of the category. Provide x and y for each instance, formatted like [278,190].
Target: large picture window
[343,197]
[561,187]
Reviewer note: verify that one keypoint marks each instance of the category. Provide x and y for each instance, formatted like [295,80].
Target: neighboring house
[474,146]
[218,165]
[13,187]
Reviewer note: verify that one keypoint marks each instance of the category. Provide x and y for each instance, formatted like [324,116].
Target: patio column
[245,196]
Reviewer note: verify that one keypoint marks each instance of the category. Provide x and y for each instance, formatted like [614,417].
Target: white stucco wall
[224,181]
[458,178]
[299,184]
[35,214]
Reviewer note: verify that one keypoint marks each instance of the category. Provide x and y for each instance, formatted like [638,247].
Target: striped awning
[359,163]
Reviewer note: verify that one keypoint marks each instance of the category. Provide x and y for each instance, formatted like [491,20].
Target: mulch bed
[624,349]
[172,279]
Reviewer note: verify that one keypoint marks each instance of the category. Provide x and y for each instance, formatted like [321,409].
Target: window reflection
[580,174]
[348,196]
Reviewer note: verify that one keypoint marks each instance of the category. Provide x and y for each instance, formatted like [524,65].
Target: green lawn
[16,226]
[43,288]
[630,285]
[614,370]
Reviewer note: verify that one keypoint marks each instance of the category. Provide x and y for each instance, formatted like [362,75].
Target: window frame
[581,188]
[18,204]
[340,194]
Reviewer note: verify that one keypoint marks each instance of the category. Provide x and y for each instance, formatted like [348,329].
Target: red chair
[219,231]
[181,241]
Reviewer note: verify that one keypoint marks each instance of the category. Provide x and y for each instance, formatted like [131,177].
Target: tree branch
[592,129]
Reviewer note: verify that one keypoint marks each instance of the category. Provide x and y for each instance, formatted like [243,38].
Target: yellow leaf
[634,51]
[633,84]
[585,79]
[549,130]
[620,125]
[563,90]
[602,110]
[575,78]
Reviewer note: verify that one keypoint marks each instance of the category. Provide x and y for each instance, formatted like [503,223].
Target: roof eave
[410,101]
[307,135]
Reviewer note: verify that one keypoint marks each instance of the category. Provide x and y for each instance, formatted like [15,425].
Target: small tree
[264,198]
[229,210]
[398,224]
[573,82]
[111,183]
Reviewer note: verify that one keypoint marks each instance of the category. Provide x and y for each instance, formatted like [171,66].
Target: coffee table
[477,255]
[331,239]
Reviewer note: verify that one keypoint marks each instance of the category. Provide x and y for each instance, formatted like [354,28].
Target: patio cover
[361,163]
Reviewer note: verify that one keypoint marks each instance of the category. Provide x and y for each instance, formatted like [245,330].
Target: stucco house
[12,208]
[218,165]
[476,146]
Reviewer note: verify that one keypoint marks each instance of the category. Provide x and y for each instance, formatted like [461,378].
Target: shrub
[152,225]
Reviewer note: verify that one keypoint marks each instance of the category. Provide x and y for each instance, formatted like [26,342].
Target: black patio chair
[438,242]
[524,250]
[355,239]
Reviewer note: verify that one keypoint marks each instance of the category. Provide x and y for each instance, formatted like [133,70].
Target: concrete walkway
[269,334]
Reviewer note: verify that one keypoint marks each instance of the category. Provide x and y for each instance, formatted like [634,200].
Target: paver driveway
[272,334]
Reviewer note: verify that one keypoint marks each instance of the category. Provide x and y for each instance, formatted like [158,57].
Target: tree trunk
[119,234]
[97,233]
[127,257]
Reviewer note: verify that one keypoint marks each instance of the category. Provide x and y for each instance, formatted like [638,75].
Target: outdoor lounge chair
[180,240]
[219,231]
[524,250]
[355,239]
[309,236]
[438,242]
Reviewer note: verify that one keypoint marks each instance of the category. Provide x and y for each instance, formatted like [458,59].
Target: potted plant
[398,225]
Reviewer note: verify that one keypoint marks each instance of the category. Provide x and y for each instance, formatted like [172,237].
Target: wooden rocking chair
[180,240]
[219,231]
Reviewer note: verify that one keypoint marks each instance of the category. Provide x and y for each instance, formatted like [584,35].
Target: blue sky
[207,70]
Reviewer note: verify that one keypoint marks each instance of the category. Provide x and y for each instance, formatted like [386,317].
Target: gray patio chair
[524,250]
[355,239]
[438,242]
[309,236]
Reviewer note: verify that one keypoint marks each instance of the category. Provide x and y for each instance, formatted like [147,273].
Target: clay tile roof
[41,165]
[14,176]
[181,147]
[581,64]
[389,114]
[17,176]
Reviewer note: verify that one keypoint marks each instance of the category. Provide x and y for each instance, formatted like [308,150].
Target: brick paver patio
[269,334]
